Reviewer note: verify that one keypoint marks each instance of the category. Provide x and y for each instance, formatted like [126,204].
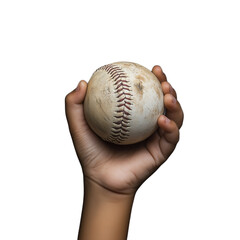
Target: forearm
[105,215]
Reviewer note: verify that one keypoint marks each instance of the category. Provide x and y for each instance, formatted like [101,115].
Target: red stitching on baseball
[124,81]
[120,89]
[120,130]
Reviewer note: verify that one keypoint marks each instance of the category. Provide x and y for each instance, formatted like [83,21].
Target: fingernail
[166,119]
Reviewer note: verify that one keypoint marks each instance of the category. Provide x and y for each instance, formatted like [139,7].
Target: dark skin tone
[112,174]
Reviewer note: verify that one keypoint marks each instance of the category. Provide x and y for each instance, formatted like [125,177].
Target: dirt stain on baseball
[140,78]
[139,88]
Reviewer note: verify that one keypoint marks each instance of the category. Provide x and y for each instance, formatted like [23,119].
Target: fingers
[169,133]
[167,88]
[170,124]
[173,109]
[158,72]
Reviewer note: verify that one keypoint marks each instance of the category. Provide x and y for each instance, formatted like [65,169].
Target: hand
[122,169]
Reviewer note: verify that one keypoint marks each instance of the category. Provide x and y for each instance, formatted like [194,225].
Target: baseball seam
[121,124]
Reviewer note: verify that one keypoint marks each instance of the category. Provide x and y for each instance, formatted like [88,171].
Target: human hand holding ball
[121,137]
[123,103]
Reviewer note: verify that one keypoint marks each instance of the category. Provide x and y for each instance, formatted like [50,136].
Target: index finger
[158,72]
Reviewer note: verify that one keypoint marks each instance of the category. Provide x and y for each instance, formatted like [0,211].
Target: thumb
[77,95]
[74,110]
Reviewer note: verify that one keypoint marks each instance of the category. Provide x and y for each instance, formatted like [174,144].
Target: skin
[112,174]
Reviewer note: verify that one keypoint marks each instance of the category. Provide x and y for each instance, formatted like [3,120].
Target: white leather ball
[123,102]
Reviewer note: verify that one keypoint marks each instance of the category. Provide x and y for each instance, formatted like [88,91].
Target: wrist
[105,214]
[103,194]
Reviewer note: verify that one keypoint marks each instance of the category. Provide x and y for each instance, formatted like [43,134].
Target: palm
[119,168]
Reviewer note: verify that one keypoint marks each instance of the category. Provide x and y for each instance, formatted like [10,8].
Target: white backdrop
[48,46]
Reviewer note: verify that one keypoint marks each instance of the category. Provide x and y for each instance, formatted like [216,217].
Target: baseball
[123,102]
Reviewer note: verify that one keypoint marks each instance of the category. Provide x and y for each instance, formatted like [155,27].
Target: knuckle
[176,132]
[177,137]
[68,98]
